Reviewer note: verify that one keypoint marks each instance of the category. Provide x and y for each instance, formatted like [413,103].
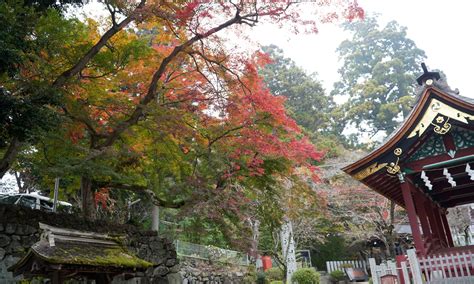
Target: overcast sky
[443,29]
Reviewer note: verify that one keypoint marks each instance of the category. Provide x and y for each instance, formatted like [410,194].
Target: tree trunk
[87,198]
[9,156]
[391,231]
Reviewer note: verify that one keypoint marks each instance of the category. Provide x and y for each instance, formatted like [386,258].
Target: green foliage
[333,248]
[378,76]
[274,273]
[371,281]
[306,100]
[261,277]
[251,276]
[337,275]
[306,276]
[277,282]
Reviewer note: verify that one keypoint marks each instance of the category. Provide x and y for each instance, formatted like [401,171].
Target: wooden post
[56,193]
[155,218]
[443,234]
[447,229]
[415,267]
[431,210]
[410,207]
[373,271]
[421,210]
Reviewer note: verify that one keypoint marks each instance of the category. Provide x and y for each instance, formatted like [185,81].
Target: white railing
[341,264]
[444,268]
[212,253]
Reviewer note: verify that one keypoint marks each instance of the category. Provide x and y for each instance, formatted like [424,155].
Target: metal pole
[56,192]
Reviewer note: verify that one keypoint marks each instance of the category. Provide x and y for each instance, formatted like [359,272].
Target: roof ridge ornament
[427,77]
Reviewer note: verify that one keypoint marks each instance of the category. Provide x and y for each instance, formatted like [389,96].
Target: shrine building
[426,165]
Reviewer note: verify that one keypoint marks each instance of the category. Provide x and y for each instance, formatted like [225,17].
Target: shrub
[346,265]
[305,276]
[261,277]
[251,276]
[274,274]
[337,275]
[277,282]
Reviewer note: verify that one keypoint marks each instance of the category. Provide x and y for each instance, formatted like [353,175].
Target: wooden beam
[410,207]
[447,229]
[450,191]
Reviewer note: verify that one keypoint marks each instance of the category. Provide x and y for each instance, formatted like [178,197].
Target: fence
[453,267]
[211,253]
[340,265]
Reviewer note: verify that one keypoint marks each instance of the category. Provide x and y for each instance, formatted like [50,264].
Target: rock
[1,228]
[30,230]
[10,228]
[174,269]
[10,260]
[15,246]
[4,240]
[161,270]
[171,262]
[160,280]
[174,278]
[28,241]
[20,230]
[2,253]
[185,281]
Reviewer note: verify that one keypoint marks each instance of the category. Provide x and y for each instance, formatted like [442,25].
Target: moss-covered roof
[78,249]
[70,252]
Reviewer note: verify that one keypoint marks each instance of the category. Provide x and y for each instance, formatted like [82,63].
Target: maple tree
[169,85]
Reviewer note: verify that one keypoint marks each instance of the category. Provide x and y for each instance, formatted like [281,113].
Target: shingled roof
[71,250]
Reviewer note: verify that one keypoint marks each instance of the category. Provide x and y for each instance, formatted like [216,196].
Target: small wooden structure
[63,254]
[427,165]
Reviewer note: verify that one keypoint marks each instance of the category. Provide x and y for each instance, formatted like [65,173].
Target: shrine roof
[76,249]
[438,110]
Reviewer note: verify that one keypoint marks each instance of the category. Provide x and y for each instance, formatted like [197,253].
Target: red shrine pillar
[435,225]
[410,207]
[447,229]
[444,235]
[422,215]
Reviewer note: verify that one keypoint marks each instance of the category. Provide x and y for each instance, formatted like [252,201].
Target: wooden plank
[373,271]
[429,271]
[415,266]
[454,265]
[459,264]
[446,259]
[406,276]
[466,264]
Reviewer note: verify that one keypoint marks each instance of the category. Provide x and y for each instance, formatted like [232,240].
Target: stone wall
[200,271]
[19,229]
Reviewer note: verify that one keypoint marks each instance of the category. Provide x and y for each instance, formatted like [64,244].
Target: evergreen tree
[306,99]
[378,76]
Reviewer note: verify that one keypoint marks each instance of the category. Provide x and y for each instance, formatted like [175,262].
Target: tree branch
[9,156]
[82,63]
[142,189]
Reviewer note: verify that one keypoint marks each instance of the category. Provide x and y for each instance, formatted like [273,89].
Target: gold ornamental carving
[438,114]
[441,126]
[393,168]
[368,171]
